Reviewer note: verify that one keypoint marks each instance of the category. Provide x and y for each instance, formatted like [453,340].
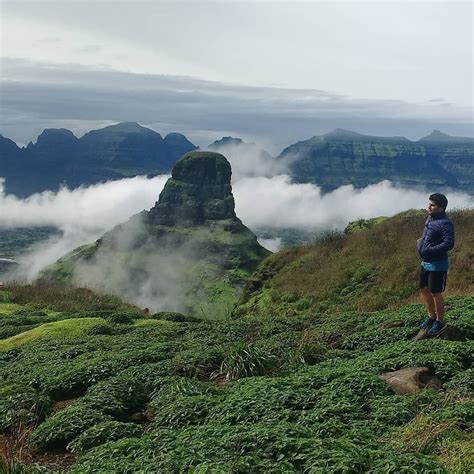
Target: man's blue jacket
[437,238]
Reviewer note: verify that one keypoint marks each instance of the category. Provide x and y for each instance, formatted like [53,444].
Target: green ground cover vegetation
[137,393]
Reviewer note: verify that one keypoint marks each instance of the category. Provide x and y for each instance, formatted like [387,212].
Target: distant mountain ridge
[342,157]
[114,152]
[337,158]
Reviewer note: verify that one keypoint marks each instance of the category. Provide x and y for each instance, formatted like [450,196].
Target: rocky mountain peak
[437,135]
[179,143]
[119,132]
[342,133]
[226,141]
[127,127]
[8,145]
[199,190]
[53,136]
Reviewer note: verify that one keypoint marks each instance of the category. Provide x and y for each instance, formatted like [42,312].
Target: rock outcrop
[199,190]
[411,380]
[189,253]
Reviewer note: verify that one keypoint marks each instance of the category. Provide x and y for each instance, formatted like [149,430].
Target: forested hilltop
[302,377]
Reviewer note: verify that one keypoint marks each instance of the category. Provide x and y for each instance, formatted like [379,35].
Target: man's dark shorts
[435,281]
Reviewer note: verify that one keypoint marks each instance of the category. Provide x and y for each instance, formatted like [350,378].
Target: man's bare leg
[439,305]
[429,302]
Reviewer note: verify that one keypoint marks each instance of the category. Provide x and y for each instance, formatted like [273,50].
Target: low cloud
[274,245]
[92,208]
[85,214]
[277,202]
[81,215]
[250,160]
[141,269]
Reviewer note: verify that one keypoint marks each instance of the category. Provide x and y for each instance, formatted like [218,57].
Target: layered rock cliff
[345,157]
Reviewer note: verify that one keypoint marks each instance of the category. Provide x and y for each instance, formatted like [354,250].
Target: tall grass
[367,270]
[62,298]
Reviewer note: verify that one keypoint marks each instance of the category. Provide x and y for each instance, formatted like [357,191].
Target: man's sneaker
[438,328]
[427,323]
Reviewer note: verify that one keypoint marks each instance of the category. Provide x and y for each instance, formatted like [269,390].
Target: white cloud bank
[84,214]
[278,202]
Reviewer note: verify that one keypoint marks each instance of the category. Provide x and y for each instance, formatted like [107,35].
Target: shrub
[175,317]
[121,317]
[184,411]
[310,348]
[22,404]
[115,396]
[61,428]
[463,381]
[392,410]
[199,361]
[244,360]
[74,380]
[103,433]
[168,389]
[250,400]
[390,462]
[104,329]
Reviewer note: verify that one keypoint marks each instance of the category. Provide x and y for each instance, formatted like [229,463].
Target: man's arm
[447,232]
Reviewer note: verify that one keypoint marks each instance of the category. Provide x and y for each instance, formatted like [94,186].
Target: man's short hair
[440,199]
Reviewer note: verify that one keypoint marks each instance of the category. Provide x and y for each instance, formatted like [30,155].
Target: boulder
[451,333]
[391,324]
[411,380]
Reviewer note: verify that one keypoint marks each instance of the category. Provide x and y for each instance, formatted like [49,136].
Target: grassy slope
[368,270]
[284,394]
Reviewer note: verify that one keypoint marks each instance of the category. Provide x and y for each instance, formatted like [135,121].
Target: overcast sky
[272,72]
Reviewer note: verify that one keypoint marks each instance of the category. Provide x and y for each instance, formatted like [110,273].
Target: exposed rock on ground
[450,334]
[411,380]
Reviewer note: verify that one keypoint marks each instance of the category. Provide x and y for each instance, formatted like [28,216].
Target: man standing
[433,246]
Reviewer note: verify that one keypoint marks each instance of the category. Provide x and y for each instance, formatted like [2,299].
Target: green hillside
[114,391]
[368,270]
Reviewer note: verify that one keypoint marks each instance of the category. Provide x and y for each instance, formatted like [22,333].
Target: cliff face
[189,253]
[344,157]
[341,157]
[199,190]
